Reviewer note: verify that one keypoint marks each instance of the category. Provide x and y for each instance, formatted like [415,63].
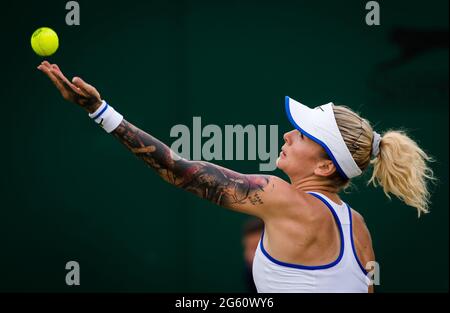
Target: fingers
[56,67]
[80,83]
[77,81]
[65,82]
[45,64]
[45,69]
[77,86]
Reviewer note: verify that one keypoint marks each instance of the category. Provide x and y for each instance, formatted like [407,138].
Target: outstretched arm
[209,181]
[258,195]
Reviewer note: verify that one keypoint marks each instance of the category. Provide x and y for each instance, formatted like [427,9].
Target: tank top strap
[341,210]
[344,213]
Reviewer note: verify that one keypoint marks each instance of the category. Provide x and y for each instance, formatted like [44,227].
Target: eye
[301,135]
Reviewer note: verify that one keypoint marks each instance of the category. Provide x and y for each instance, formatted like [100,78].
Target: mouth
[282,154]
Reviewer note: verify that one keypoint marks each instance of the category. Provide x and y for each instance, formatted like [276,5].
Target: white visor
[319,125]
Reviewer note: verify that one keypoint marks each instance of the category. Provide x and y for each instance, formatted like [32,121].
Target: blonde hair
[400,166]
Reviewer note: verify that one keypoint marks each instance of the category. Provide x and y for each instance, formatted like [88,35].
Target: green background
[71,192]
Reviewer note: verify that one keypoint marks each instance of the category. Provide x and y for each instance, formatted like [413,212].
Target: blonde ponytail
[400,166]
[401,169]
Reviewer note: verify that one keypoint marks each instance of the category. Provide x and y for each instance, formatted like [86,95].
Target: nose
[287,137]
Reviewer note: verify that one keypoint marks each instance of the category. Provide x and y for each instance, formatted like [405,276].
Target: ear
[325,168]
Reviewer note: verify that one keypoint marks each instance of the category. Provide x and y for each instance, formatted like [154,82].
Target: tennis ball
[44,41]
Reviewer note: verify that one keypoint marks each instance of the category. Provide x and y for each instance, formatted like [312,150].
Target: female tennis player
[312,241]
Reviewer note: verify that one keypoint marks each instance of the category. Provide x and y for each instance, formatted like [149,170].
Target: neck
[313,183]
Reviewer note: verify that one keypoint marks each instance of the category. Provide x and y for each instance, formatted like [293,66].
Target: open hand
[77,91]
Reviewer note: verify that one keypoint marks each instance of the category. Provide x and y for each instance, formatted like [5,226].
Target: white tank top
[345,274]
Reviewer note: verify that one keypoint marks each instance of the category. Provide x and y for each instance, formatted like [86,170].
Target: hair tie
[376,144]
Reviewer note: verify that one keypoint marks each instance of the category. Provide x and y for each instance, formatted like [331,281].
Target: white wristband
[107,117]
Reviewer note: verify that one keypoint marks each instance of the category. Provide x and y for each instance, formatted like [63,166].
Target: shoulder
[286,200]
[359,224]
[275,185]
[357,217]
[282,191]
[362,238]
[360,229]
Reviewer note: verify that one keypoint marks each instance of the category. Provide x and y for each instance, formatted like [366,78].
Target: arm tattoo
[217,184]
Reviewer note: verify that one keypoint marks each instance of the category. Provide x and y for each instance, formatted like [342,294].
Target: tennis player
[312,240]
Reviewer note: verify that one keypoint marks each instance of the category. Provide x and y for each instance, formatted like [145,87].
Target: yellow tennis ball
[44,41]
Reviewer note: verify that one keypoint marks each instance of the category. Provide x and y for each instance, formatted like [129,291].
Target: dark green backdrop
[71,192]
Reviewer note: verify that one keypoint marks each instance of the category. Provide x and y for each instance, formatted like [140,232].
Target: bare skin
[298,227]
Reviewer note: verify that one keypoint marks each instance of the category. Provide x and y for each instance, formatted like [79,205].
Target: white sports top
[345,274]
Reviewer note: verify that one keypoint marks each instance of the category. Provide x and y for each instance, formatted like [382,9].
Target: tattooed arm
[252,194]
[245,193]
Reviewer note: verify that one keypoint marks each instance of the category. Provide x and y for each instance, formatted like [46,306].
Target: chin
[280,163]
